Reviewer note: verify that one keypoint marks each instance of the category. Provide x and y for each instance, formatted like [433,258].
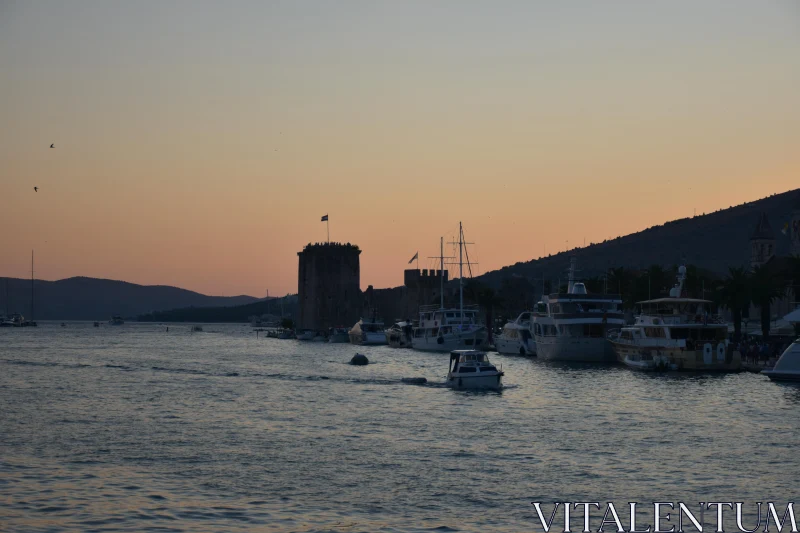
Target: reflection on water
[133,427]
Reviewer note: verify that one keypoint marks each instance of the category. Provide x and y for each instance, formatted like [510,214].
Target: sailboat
[31,323]
[445,330]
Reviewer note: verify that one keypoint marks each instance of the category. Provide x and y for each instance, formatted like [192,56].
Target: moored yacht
[368,332]
[573,326]
[306,335]
[516,337]
[788,366]
[399,334]
[471,369]
[676,333]
[445,330]
[338,334]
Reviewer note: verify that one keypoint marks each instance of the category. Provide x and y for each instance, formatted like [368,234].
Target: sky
[198,143]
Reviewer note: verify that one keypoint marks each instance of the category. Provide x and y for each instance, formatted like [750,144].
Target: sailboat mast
[31,285]
[461,272]
[441,273]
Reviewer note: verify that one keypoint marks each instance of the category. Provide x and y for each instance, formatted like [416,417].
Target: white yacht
[368,332]
[6,322]
[445,330]
[471,369]
[573,326]
[675,333]
[399,334]
[517,337]
[788,366]
[338,334]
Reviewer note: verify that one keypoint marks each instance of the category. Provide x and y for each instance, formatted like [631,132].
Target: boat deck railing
[432,308]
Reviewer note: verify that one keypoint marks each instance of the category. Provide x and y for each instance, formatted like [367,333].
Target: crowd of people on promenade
[756,350]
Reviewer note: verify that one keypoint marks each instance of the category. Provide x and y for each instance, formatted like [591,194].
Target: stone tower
[423,287]
[762,242]
[794,228]
[328,286]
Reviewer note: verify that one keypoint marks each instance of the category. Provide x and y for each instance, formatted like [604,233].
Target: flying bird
[36,189]
[53,145]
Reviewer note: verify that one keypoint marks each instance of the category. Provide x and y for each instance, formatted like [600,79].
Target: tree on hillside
[765,288]
[734,293]
[620,281]
[487,300]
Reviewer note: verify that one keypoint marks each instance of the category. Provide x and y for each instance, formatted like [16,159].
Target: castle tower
[328,286]
[762,242]
[794,228]
[423,287]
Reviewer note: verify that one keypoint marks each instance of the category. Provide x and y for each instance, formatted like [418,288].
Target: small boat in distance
[116,320]
[306,335]
[97,324]
[368,332]
[788,366]
[338,334]
[516,337]
[6,322]
[471,369]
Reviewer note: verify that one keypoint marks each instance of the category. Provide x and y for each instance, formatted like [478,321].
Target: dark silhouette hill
[82,298]
[712,242]
[238,313]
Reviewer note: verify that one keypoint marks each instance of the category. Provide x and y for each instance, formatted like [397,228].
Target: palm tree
[734,293]
[765,288]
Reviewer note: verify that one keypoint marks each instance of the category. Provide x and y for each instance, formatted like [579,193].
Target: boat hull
[574,349]
[782,376]
[367,338]
[339,337]
[473,341]
[305,336]
[479,381]
[514,346]
[707,358]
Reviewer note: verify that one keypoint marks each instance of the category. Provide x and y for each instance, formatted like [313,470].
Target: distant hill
[83,298]
[712,242]
[238,313]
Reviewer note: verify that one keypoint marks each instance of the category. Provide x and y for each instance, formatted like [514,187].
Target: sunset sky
[198,143]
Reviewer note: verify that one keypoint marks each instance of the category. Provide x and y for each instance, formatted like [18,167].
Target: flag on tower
[413,258]
[324,218]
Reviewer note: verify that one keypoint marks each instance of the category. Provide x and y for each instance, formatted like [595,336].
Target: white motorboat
[471,369]
[6,322]
[338,334]
[516,337]
[399,334]
[574,326]
[306,335]
[676,333]
[445,330]
[368,332]
[788,366]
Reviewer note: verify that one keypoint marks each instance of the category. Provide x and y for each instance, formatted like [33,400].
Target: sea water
[136,428]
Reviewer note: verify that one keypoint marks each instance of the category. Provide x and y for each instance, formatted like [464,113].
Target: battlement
[329,248]
[414,276]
